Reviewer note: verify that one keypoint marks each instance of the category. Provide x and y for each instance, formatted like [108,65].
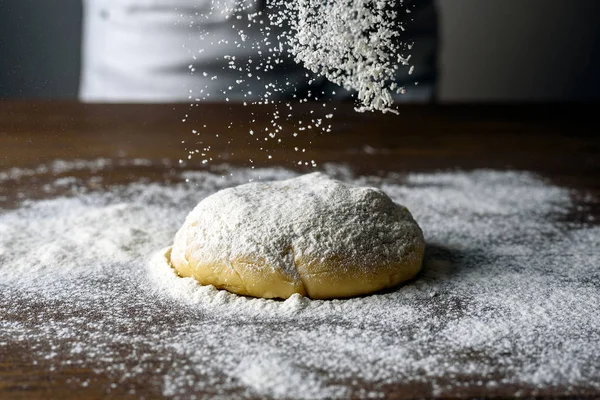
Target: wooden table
[559,142]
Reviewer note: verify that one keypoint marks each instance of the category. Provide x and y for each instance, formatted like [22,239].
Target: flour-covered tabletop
[506,304]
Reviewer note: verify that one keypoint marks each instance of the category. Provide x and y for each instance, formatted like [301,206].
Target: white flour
[508,295]
[353,43]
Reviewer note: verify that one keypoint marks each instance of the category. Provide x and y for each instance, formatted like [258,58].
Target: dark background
[492,50]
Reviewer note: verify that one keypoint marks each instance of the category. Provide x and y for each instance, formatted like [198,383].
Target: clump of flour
[353,43]
[507,297]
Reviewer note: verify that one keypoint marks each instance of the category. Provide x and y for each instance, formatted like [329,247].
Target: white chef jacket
[173,50]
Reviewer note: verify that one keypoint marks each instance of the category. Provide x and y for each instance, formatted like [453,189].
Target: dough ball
[311,235]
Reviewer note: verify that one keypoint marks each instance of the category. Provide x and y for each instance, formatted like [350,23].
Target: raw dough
[311,235]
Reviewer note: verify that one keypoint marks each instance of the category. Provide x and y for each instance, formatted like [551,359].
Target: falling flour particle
[356,44]
[353,43]
[508,296]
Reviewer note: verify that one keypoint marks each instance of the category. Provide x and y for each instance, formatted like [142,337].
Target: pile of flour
[508,295]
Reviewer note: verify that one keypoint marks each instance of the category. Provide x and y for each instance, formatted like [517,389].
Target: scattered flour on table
[508,295]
